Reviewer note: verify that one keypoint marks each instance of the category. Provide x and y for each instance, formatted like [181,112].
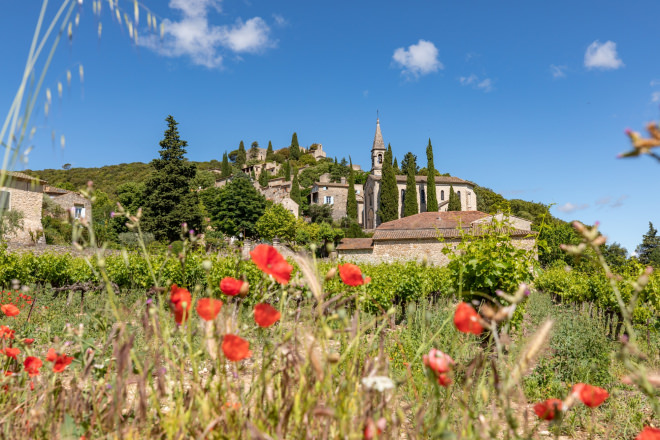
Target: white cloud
[418,59]
[567,208]
[655,82]
[365,93]
[602,56]
[481,84]
[279,20]
[558,71]
[194,36]
[619,202]
[655,97]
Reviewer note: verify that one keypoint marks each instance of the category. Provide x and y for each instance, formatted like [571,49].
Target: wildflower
[61,362]
[12,352]
[549,409]
[265,315]
[10,309]
[272,263]
[51,355]
[32,365]
[590,395]
[6,332]
[373,429]
[28,341]
[208,308]
[649,433]
[231,286]
[351,275]
[181,302]
[235,348]
[444,380]
[438,361]
[378,383]
[466,319]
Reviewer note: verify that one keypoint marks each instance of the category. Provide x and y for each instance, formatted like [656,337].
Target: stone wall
[29,202]
[71,200]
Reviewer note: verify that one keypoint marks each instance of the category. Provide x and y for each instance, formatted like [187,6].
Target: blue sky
[527,98]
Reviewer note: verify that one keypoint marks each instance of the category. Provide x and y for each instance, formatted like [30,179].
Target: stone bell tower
[378,152]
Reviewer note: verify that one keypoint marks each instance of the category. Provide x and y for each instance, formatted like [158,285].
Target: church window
[442,194]
[380,158]
[422,195]
[459,194]
[403,195]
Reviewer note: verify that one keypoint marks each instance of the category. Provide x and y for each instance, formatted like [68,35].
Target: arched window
[380,158]
[422,195]
[459,194]
[442,194]
[403,195]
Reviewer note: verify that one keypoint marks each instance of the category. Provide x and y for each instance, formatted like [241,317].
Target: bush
[130,239]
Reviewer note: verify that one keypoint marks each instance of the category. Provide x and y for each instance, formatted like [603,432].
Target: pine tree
[454,201]
[226,168]
[254,150]
[389,192]
[287,171]
[294,149]
[270,155]
[648,252]
[409,160]
[295,189]
[351,200]
[431,197]
[169,201]
[241,157]
[410,206]
[264,177]
[395,165]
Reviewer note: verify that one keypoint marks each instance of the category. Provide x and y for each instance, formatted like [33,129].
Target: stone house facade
[24,193]
[71,202]
[423,237]
[325,192]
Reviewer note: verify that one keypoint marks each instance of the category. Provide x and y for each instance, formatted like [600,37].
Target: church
[372,187]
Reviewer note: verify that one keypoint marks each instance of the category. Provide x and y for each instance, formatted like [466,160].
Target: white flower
[378,383]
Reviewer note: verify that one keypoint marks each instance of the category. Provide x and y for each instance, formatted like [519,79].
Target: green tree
[389,192]
[264,177]
[169,201]
[226,168]
[408,160]
[410,206]
[431,197]
[295,189]
[270,155]
[294,149]
[241,156]
[203,179]
[287,171]
[320,213]
[254,150]
[648,252]
[277,222]
[397,170]
[615,255]
[11,221]
[351,199]
[454,201]
[236,207]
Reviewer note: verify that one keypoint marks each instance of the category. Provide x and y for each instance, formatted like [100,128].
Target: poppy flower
[231,286]
[12,352]
[28,341]
[272,263]
[590,395]
[649,433]
[32,365]
[61,362]
[265,315]
[208,308]
[373,429]
[51,355]
[466,319]
[444,380]
[178,297]
[6,332]
[10,309]
[549,409]
[438,361]
[351,275]
[235,348]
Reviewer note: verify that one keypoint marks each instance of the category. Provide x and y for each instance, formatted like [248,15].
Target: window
[442,194]
[325,188]
[357,191]
[78,211]
[380,158]
[422,195]
[4,200]
[459,194]
[329,200]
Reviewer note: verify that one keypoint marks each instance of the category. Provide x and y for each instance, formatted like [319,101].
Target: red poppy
[590,395]
[178,298]
[231,286]
[28,341]
[10,309]
[32,365]
[235,348]
[12,352]
[549,409]
[61,362]
[265,315]
[272,263]
[351,275]
[438,361]
[51,355]
[444,380]
[6,332]
[208,308]
[467,320]
[649,433]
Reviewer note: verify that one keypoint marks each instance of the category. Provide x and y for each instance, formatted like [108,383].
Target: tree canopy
[389,193]
[410,206]
[454,201]
[431,196]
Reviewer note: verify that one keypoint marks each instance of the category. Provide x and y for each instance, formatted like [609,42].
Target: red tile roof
[355,244]
[422,179]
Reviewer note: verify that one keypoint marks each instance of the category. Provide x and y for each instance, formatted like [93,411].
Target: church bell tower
[377,152]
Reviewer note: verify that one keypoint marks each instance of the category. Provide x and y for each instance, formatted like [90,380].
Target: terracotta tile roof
[22,176]
[355,244]
[403,234]
[422,179]
[53,190]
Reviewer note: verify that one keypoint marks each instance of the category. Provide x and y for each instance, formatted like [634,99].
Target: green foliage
[389,193]
[169,201]
[203,180]
[431,196]
[295,189]
[264,176]
[11,221]
[236,207]
[395,166]
[551,236]
[294,149]
[307,159]
[351,200]
[131,239]
[410,206]
[454,201]
[409,160]
[287,171]
[254,151]
[648,252]
[226,168]
[311,175]
[320,213]
[615,255]
[270,155]
[277,222]
[489,201]
[241,155]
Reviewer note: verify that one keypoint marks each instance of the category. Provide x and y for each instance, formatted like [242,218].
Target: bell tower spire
[377,151]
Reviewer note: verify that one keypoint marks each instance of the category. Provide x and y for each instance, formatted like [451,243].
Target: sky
[530,99]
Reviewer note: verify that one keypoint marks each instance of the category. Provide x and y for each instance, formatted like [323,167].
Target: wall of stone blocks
[29,203]
[69,200]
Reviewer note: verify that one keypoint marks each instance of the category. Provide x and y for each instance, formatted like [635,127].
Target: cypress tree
[295,189]
[351,200]
[254,150]
[263,177]
[454,201]
[431,197]
[410,206]
[287,171]
[254,177]
[226,168]
[269,152]
[169,201]
[294,149]
[389,192]
[241,157]
[395,165]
